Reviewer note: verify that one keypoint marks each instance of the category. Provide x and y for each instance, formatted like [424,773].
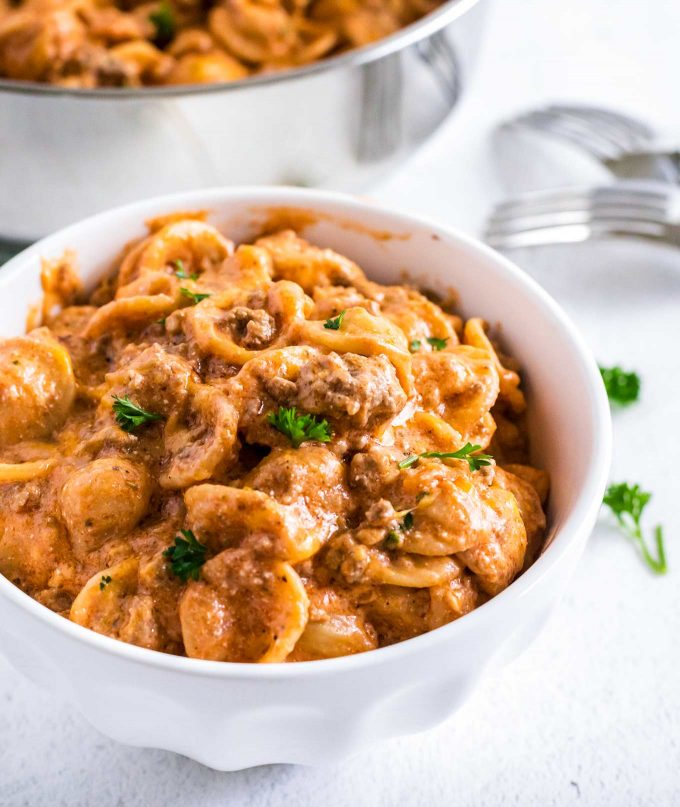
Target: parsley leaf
[628,502]
[182,273]
[334,323]
[194,296]
[129,416]
[414,345]
[103,583]
[299,428]
[437,344]
[623,388]
[163,20]
[394,538]
[186,556]
[467,453]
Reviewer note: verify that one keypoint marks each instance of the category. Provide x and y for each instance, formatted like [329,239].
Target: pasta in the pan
[257,454]
[111,43]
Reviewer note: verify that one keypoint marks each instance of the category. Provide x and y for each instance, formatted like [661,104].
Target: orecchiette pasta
[102,500]
[244,609]
[37,386]
[256,454]
[111,43]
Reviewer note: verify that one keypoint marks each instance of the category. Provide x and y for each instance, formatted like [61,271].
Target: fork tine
[603,133]
[646,195]
[583,133]
[613,129]
[519,209]
[555,208]
[589,135]
[550,234]
[623,121]
[568,214]
[564,218]
[538,238]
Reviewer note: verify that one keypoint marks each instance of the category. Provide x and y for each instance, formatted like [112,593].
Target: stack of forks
[642,201]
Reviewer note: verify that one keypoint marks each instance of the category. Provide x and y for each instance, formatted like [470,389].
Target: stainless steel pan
[65,154]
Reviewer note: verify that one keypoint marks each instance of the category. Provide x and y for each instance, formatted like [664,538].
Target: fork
[571,215]
[625,145]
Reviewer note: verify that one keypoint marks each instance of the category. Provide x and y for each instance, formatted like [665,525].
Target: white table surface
[590,714]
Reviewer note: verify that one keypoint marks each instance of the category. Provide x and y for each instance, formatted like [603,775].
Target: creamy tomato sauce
[219,453]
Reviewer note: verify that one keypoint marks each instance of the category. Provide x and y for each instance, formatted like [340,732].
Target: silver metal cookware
[65,154]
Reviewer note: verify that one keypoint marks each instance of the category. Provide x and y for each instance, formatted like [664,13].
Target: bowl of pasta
[282,472]
[103,103]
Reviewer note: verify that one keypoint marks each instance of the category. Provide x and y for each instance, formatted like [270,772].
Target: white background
[590,714]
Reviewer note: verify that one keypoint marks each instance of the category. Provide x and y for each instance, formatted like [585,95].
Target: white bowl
[231,716]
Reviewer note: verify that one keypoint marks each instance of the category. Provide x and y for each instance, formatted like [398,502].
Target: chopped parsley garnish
[163,20]
[103,583]
[394,538]
[628,502]
[299,428]
[186,556]
[420,496]
[622,387]
[182,273]
[194,296]
[334,323]
[414,345]
[129,416]
[467,453]
[437,344]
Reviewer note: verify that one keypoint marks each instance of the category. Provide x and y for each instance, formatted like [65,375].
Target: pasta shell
[243,609]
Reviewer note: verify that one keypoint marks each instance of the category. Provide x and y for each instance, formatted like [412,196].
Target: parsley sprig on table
[628,502]
[299,428]
[622,387]
[129,416]
[194,296]
[182,273]
[334,323]
[186,556]
[163,20]
[467,452]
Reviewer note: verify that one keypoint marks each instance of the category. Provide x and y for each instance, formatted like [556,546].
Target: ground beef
[373,470]
[360,388]
[253,329]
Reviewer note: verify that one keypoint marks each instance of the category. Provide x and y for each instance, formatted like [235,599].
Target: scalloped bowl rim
[584,509]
